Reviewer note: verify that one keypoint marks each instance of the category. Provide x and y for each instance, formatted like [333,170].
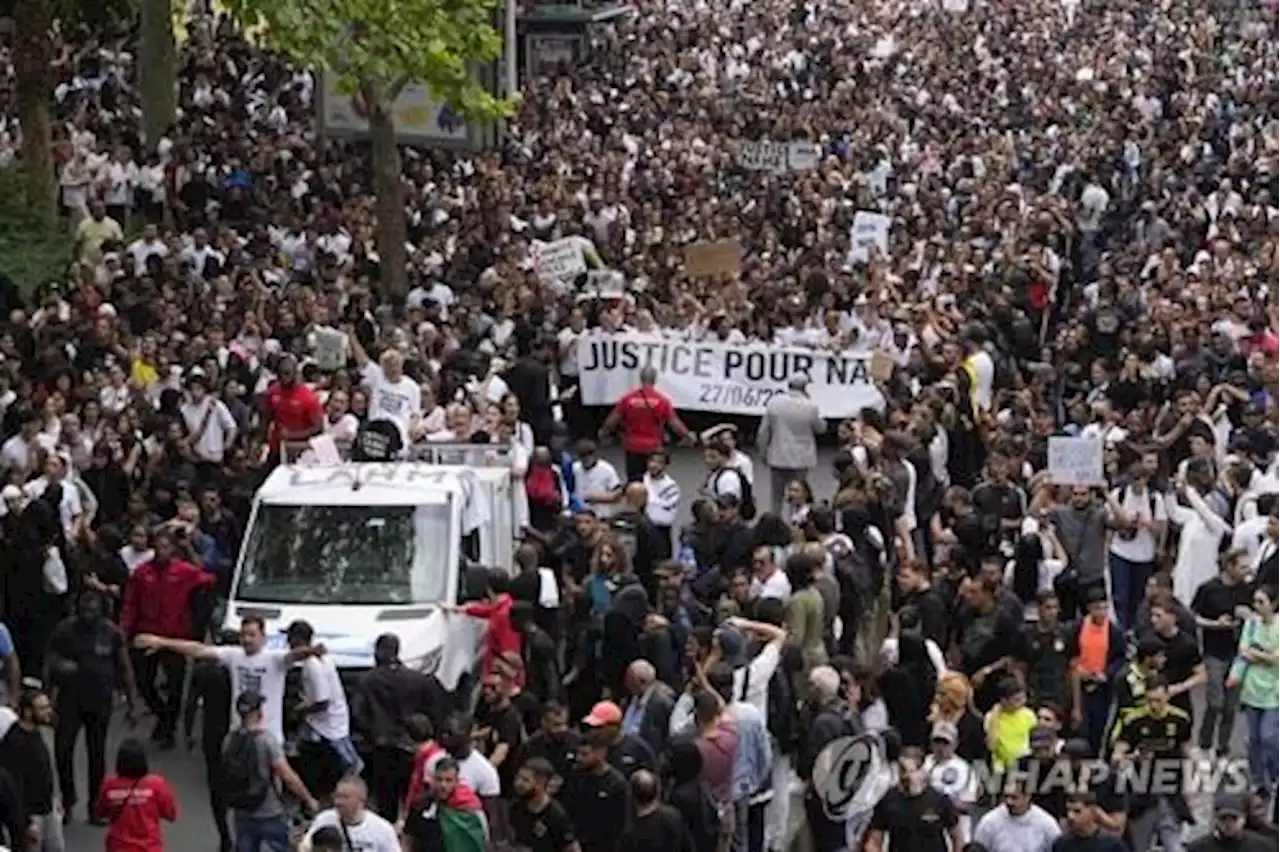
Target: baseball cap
[1230,804]
[602,714]
[946,732]
[727,500]
[249,701]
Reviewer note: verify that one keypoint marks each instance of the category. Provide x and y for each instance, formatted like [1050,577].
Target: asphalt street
[184,768]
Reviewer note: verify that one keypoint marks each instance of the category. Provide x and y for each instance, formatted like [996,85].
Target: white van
[362,549]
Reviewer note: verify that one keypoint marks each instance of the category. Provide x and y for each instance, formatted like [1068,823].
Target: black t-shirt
[547,830]
[505,727]
[660,831]
[598,804]
[1213,600]
[560,753]
[422,824]
[1046,654]
[919,823]
[1181,656]
[1096,842]
[94,650]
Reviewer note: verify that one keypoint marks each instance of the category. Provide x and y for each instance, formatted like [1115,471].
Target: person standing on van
[253,762]
[644,413]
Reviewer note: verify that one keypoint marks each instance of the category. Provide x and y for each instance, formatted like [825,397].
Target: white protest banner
[562,260]
[725,378]
[869,229]
[1076,461]
[956,6]
[763,156]
[779,157]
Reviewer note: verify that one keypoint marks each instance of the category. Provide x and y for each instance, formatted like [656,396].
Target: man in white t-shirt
[326,717]
[393,396]
[362,830]
[473,767]
[253,668]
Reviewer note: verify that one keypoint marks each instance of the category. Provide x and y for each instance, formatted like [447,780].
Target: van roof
[368,483]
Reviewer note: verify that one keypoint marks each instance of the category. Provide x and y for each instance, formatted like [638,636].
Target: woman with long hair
[134,802]
[953,703]
[1258,677]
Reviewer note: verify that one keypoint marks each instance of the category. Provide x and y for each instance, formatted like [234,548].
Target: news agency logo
[852,774]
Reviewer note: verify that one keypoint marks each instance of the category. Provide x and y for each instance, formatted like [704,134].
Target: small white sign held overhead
[561,260]
[1076,461]
[869,230]
[803,156]
[956,6]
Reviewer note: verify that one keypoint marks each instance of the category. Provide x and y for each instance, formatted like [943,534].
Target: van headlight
[428,662]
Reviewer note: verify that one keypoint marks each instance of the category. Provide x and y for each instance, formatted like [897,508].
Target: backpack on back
[245,783]
[747,505]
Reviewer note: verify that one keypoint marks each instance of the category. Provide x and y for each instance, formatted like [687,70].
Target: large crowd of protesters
[1083,199]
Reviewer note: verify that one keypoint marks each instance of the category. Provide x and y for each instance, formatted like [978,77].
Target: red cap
[602,714]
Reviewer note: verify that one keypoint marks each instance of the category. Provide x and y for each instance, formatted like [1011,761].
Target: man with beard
[988,642]
[554,742]
[87,661]
[538,822]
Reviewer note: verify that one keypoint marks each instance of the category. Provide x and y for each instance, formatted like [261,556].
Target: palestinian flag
[462,823]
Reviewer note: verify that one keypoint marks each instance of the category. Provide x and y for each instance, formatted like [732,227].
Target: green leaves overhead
[380,46]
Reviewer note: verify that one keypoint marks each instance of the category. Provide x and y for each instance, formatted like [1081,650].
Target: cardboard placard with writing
[722,257]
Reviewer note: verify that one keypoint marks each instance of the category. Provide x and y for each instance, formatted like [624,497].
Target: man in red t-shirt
[645,414]
[295,410]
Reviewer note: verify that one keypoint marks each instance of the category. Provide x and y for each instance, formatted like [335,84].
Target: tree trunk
[33,51]
[158,55]
[392,229]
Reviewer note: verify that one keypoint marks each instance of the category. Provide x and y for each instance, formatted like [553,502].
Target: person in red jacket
[502,636]
[134,802]
[158,599]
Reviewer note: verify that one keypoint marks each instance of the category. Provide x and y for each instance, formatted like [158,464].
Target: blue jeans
[1128,585]
[254,833]
[1264,740]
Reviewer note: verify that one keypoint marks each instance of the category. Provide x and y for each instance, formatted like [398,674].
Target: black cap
[249,701]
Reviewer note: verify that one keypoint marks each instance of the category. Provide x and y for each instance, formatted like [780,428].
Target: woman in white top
[339,423]
[522,431]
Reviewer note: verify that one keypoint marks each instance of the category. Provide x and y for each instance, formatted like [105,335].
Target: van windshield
[346,554]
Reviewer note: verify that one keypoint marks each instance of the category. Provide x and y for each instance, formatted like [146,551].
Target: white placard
[330,349]
[803,156]
[724,378]
[562,260]
[956,6]
[869,229]
[1076,461]
[779,157]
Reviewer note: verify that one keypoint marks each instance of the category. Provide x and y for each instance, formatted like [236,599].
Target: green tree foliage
[377,47]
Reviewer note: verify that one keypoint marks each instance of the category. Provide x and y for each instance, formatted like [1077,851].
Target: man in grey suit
[788,437]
